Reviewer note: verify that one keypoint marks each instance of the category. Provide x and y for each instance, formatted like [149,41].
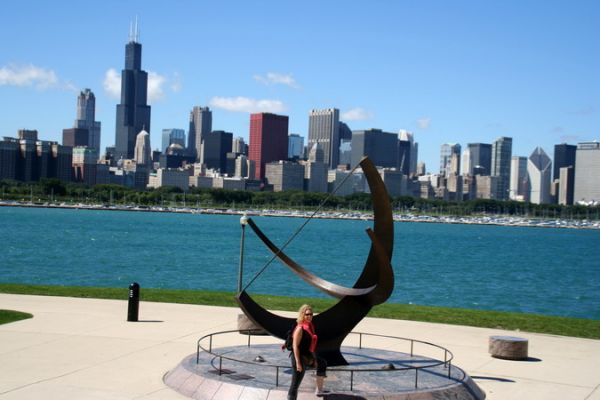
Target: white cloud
[245,104]
[274,78]
[424,123]
[32,76]
[156,84]
[112,83]
[356,114]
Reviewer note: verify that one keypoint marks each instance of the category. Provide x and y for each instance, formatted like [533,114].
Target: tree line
[56,191]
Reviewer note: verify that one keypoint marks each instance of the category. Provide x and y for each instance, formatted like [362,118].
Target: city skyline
[449,73]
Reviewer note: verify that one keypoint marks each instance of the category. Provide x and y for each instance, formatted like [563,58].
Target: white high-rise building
[244,168]
[446,152]
[587,172]
[315,170]
[200,125]
[238,145]
[414,149]
[323,128]
[539,171]
[465,164]
[519,182]
[142,152]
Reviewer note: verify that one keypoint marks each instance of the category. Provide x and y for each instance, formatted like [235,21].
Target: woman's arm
[297,337]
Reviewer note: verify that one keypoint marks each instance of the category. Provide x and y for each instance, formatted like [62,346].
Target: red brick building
[268,140]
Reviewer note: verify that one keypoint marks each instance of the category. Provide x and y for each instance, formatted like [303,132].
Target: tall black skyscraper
[564,156]
[133,114]
[481,158]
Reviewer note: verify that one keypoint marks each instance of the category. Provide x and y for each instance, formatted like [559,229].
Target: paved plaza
[85,349]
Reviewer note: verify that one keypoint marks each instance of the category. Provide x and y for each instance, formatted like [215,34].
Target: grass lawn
[577,327]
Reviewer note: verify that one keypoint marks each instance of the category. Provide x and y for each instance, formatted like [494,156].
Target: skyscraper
[215,146]
[133,114]
[465,162]
[323,128]
[170,136]
[315,170]
[268,140]
[200,125]
[142,152]
[404,157]
[239,146]
[501,155]
[481,158]
[446,152]
[295,146]
[381,147]
[414,149]
[564,156]
[86,114]
[587,170]
[539,171]
[519,183]
[566,185]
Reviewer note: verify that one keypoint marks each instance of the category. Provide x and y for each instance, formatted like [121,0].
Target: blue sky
[449,71]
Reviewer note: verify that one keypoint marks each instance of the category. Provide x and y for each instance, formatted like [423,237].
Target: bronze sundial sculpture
[373,287]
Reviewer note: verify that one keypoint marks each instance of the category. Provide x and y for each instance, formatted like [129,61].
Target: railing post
[277,377]
[411,347]
[449,369]
[416,377]
[445,358]
[210,344]
[198,353]
[249,337]
[351,380]
[220,365]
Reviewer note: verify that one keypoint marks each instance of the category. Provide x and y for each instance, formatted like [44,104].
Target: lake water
[538,270]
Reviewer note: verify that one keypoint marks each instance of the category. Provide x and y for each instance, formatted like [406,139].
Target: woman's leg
[321,373]
[296,380]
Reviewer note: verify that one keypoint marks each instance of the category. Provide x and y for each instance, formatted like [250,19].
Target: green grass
[7,316]
[577,327]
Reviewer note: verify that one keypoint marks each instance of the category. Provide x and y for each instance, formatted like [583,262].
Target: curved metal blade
[330,288]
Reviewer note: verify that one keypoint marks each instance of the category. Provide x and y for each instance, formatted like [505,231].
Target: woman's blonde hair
[302,311]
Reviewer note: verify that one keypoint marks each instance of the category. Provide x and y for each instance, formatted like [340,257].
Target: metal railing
[431,362]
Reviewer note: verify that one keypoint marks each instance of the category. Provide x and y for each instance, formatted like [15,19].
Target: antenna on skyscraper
[134,32]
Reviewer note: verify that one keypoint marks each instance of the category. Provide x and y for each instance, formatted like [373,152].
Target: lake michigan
[535,270]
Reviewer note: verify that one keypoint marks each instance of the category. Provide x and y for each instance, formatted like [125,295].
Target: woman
[303,355]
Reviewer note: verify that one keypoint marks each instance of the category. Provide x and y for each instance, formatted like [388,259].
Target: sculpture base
[366,377]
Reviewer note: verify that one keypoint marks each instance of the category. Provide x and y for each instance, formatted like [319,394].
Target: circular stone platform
[260,381]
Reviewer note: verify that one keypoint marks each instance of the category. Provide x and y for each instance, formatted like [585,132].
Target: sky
[448,71]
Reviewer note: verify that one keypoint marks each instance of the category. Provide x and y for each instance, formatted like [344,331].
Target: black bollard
[134,302]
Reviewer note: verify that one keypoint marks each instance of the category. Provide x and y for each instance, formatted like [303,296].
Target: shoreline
[398,217]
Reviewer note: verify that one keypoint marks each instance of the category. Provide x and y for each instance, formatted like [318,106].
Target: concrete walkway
[85,349]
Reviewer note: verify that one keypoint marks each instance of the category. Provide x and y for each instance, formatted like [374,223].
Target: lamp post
[243,223]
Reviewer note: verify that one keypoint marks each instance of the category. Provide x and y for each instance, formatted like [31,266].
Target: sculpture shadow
[492,378]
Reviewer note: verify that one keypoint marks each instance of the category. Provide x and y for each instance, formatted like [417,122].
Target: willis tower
[133,114]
